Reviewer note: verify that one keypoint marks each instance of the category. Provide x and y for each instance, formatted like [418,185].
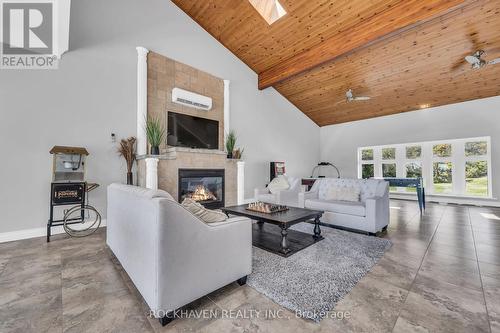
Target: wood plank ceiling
[320,49]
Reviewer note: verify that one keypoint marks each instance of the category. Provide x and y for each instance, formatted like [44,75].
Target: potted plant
[127,150]
[155,132]
[230,143]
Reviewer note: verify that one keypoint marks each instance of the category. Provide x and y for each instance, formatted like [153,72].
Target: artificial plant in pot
[230,143]
[155,132]
[127,150]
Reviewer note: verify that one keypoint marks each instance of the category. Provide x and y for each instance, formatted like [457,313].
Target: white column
[227,109]
[152,173]
[240,182]
[458,166]
[142,98]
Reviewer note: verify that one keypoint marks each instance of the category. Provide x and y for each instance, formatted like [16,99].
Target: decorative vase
[130,178]
[230,155]
[155,150]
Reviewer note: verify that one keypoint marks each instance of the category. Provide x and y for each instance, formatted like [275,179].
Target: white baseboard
[33,233]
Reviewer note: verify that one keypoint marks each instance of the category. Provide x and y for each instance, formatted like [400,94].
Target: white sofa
[289,197]
[370,214]
[173,257]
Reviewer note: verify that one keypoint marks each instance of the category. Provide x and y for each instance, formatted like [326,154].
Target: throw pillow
[206,215]
[343,194]
[278,184]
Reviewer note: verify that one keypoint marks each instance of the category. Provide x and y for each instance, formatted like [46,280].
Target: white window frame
[361,162]
[391,161]
[407,161]
[426,160]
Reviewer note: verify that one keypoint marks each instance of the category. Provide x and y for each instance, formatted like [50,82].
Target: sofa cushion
[278,184]
[348,193]
[368,187]
[294,182]
[341,207]
[206,215]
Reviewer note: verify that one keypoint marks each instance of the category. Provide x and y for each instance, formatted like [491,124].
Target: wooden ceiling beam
[392,21]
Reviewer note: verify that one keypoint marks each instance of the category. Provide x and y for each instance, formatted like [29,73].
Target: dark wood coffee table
[271,231]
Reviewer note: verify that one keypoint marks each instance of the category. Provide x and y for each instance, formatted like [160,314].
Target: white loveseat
[370,214]
[173,257]
[289,197]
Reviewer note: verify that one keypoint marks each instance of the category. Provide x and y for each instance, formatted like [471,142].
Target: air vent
[185,101]
[191,99]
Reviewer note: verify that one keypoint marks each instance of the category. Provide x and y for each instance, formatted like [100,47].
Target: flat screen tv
[192,132]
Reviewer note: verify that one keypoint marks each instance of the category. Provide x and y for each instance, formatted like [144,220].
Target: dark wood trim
[269,237]
[271,218]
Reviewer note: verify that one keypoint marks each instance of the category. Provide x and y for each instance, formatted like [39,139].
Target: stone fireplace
[194,167]
[157,76]
[205,186]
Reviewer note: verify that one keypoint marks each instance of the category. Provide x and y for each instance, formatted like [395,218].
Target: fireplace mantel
[171,153]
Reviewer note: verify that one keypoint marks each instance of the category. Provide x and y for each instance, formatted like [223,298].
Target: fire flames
[201,193]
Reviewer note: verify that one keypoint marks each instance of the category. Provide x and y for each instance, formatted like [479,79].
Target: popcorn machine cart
[69,188]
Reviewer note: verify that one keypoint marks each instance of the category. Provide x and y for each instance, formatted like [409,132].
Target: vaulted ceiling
[404,54]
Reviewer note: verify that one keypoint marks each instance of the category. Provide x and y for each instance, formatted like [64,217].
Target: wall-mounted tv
[193,132]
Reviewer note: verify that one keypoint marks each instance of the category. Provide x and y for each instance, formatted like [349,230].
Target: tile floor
[441,275]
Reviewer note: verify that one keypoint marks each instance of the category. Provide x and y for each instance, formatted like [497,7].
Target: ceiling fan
[477,62]
[351,98]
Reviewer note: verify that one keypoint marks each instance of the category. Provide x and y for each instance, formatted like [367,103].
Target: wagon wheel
[90,221]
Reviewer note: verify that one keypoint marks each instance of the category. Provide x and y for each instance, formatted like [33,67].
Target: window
[442,177]
[368,166]
[368,171]
[413,170]
[441,150]
[389,170]
[413,152]
[476,168]
[457,167]
[389,153]
[475,148]
[476,178]
[367,154]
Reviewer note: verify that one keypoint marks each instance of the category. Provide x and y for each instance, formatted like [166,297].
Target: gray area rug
[313,280]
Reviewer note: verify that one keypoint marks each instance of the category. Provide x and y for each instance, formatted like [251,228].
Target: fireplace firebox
[205,186]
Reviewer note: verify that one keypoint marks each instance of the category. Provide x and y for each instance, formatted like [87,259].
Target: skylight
[270,10]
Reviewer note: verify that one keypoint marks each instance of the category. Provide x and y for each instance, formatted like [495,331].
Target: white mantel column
[226,109]
[152,173]
[240,182]
[142,99]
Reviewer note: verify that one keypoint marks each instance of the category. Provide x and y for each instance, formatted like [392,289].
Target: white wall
[477,118]
[93,94]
